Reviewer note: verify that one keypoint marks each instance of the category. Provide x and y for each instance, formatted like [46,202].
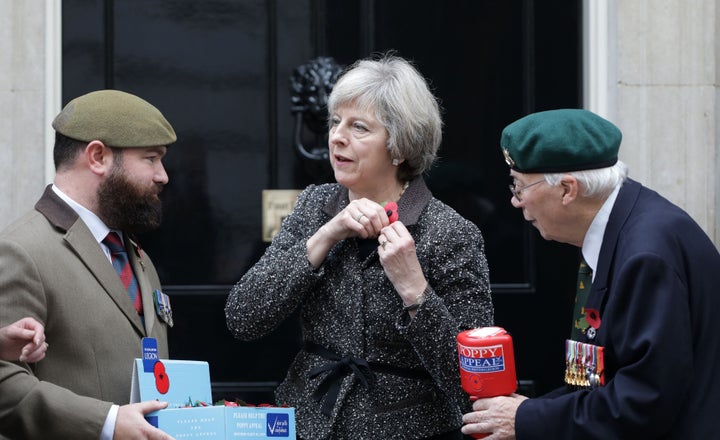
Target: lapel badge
[509,160]
[591,333]
[138,250]
[593,318]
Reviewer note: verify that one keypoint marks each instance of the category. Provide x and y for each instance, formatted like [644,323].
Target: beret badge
[509,160]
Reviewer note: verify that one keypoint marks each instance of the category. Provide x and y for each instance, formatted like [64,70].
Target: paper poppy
[592,316]
[391,208]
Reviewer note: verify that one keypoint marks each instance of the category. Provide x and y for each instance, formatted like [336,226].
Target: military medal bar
[584,365]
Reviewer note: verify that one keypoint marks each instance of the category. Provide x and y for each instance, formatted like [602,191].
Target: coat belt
[329,387]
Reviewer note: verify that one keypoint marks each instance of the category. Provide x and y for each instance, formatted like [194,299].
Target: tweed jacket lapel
[80,239]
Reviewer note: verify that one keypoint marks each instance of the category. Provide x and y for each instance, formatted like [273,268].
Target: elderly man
[73,265]
[644,343]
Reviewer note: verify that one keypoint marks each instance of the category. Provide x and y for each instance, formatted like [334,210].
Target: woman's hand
[399,259]
[361,218]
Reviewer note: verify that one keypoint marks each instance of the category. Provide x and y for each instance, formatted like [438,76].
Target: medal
[584,365]
[162,307]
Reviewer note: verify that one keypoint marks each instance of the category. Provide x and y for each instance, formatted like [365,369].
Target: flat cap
[558,141]
[118,119]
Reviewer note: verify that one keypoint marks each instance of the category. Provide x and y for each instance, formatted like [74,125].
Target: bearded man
[73,264]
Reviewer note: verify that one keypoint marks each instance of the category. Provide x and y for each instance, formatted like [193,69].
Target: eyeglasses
[516,191]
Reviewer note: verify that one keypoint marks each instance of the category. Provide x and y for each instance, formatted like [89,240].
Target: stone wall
[665,82]
[25,95]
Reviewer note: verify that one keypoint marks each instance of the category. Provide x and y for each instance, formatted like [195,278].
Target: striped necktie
[584,282]
[122,266]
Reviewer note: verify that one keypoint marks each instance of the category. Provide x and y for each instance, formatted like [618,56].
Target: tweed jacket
[656,289]
[350,309]
[52,269]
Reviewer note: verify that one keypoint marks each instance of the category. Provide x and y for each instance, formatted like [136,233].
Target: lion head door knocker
[310,87]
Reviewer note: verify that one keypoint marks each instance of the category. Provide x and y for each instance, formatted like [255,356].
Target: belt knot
[329,387]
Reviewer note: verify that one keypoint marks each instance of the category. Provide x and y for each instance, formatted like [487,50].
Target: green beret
[558,141]
[115,118]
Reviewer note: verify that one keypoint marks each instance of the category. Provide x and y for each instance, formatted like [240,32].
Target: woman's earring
[395,162]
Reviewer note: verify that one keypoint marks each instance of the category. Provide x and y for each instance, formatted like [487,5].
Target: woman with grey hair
[384,274]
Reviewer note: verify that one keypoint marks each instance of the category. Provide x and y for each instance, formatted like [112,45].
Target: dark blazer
[349,307]
[52,269]
[656,287]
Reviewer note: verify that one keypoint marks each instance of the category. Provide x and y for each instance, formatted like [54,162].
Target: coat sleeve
[273,288]
[32,409]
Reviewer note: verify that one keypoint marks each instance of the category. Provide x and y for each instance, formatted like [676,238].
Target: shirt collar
[98,229]
[596,231]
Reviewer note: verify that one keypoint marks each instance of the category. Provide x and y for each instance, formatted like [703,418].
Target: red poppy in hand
[391,208]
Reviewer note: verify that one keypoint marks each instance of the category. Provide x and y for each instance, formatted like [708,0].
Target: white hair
[595,183]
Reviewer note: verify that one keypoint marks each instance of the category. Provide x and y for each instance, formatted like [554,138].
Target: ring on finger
[359,217]
[384,242]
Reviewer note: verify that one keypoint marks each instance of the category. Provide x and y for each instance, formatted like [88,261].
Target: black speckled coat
[350,308]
